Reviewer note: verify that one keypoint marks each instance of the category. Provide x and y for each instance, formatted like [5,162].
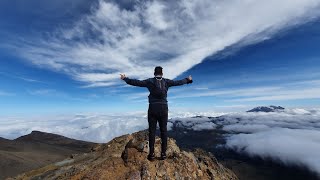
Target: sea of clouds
[291,136]
[89,127]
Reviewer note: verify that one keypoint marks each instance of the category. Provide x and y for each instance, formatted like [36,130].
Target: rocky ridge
[125,157]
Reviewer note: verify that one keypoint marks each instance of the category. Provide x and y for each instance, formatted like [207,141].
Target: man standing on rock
[158,105]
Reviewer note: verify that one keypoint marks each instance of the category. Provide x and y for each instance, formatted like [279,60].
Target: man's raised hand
[122,76]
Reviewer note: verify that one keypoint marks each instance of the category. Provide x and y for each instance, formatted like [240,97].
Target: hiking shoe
[163,156]
[151,157]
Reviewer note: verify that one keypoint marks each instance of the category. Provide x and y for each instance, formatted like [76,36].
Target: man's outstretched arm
[180,82]
[134,82]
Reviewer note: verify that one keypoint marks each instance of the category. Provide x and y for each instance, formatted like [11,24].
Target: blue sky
[66,56]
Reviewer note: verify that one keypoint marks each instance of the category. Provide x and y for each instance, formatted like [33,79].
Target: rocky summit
[125,157]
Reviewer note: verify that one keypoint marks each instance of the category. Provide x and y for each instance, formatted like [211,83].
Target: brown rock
[125,157]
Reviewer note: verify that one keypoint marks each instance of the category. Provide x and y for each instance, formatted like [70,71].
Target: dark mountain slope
[35,150]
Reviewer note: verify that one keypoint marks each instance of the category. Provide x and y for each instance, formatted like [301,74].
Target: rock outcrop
[125,157]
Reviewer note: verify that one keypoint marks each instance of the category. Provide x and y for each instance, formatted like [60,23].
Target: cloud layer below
[291,136]
[177,35]
[88,127]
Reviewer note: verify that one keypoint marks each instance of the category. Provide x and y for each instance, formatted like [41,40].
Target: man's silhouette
[158,105]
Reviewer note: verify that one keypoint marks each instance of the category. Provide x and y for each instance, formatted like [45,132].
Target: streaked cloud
[5,93]
[174,34]
[309,89]
[46,92]
[19,77]
[53,93]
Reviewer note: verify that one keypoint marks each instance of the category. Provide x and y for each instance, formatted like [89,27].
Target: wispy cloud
[288,91]
[284,94]
[46,92]
[99,84]
[134,96]
[174,34]
[30,80]
[15,76]
[53,93]
[5,93]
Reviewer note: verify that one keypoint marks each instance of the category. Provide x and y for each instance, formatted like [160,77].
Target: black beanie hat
[158,70]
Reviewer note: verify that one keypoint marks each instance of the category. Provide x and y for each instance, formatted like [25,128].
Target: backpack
[156,91]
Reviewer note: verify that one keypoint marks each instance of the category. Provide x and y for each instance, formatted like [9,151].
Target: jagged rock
[125,157]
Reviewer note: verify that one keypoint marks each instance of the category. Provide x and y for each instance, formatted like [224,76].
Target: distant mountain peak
[3,139]
[270,108]
[125,157]
[41,136]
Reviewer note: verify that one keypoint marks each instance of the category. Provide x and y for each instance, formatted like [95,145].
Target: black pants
[158,113]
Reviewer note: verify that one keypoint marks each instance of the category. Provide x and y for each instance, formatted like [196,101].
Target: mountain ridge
[125,157]
[270,108]
[30,152]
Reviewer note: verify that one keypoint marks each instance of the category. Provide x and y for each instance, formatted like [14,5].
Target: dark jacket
[155,85]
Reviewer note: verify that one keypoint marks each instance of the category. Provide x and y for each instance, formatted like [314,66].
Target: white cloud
[228,92]
[303,93]
[155,15]
[246,128]
[285,91]
[46,92]
[53,93]
[14,76]
[193,123]
[5,93]
[174,34]
[184,115]
[291,146]
[89,127]
[99,84]
[204,126]
[291,136]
